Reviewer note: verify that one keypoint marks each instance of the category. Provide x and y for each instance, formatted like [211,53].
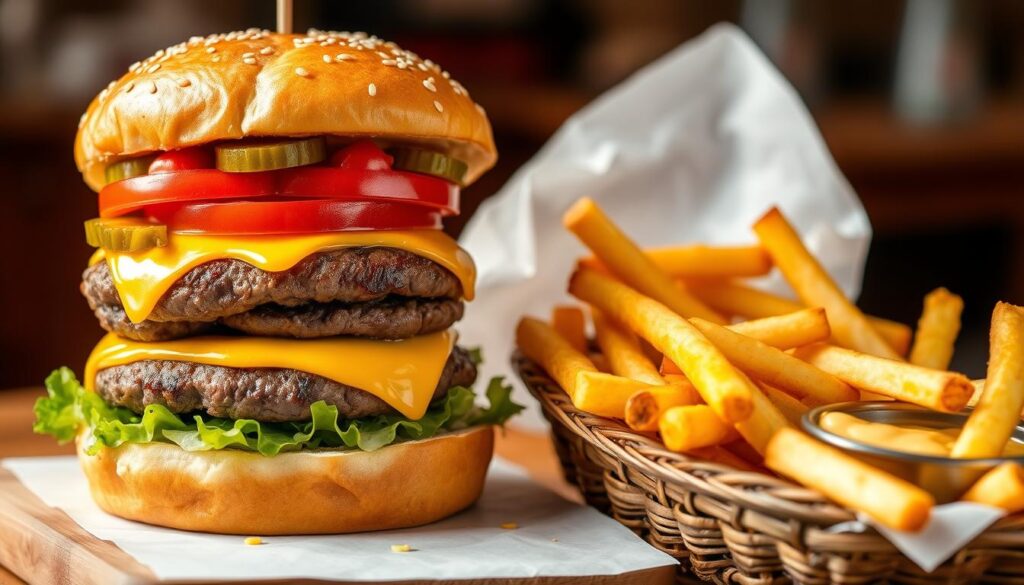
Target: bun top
[258,83]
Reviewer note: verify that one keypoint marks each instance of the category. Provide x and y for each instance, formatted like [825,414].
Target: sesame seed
[266,50]
[429,84]
[128,88]
[153,68]
[372,90]
[422,66]
[152,87]
[216,58]
[244,55]
[343,57]
[445,75]
[184,82]
[211,49]
[301,72]
[383,55]
[327,59]
[438,106]
[249,60]
[134,67]
[402,65]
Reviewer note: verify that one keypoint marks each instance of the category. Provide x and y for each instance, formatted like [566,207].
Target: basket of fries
[687,423]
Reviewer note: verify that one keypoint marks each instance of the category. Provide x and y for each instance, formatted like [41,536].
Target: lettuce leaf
[69,407]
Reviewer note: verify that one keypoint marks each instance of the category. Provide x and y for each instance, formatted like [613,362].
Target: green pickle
[128,168]
[125,234]
[249,157]
[429,162]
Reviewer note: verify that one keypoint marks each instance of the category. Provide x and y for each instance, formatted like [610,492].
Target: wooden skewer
[284,16]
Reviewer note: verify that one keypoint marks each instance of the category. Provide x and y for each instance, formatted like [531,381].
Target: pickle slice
[128,168]
[428,162]
[249,157]
[125,234]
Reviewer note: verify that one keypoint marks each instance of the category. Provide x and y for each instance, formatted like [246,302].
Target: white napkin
[950,528]
[693,148]
[554,538]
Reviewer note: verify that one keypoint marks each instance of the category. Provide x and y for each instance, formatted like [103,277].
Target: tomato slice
[292,216]
[343,184]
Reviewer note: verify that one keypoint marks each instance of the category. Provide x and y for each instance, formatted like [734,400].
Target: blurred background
[920,101]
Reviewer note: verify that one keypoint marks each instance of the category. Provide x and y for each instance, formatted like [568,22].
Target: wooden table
[531,451]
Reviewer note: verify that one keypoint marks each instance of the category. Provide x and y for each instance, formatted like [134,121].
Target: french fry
[689,427]
[998,411]
[803,327]
[937,330]
[935,389]
[746,452]
[605,394]
[571,324]
[888,499]
[628,262]
[623,352]
[644,408]
[816,288]
[732,298]
[542,344]
[721,386]
[1002,487]
[775,367]
[764,422]
[699,261]
[887,436]
[790,407]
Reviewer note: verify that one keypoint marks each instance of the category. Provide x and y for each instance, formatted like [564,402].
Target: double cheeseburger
[277,290]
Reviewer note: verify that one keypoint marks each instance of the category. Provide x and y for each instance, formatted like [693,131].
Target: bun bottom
[306,492]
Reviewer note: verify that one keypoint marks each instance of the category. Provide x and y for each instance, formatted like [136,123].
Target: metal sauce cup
[945,478]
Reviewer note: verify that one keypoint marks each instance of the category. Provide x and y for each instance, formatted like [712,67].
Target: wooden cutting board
[44,546]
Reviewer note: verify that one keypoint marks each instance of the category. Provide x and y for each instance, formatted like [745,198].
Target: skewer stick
[284,16]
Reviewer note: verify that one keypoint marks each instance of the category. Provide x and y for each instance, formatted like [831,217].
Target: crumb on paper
[253,541]
[509,525]
[400,548]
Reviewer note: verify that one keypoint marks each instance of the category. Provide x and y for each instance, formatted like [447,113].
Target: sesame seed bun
[305,492]
[263,84]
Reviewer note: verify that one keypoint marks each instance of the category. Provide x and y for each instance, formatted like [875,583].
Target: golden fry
[888,499]
[691,427]
[935,389]
[775,367]
[790,407]
[699,261]
[542,344]
[721,386]
[1002,487]
[628,262]
[732,298]
[816,288]
[764,422]
[937,330]
[644,408]
[887,436]
[605,394]
[571,324]
[622,349]
[998,411]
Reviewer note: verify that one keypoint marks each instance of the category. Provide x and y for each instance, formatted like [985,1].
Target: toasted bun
[307,492]
[263,84]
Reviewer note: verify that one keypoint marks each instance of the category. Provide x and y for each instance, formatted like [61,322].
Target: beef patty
[264,394]
[376,292]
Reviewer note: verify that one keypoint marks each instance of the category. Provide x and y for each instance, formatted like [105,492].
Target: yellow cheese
[402,373]
[141,278]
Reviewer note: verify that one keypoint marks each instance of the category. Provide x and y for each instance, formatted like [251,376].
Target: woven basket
[731,526]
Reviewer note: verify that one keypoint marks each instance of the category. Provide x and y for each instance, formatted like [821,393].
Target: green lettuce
[69,407]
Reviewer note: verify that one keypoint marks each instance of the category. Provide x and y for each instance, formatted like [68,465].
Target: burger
[277,290]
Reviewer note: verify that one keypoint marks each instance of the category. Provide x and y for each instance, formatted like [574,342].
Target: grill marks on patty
[372,291]
[263,394]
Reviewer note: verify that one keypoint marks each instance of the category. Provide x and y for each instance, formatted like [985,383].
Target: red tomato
[362,155]
[292,216]
[197,157]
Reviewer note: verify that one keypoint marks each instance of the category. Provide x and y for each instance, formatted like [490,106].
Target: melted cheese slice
[142,278]
[402,373]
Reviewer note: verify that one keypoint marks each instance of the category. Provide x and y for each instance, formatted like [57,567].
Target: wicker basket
[730,526]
